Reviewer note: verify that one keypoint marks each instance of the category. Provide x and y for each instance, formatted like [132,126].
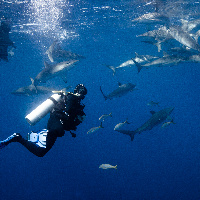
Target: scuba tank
[43,109]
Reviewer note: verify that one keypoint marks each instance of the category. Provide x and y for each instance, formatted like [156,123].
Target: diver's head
[81,90]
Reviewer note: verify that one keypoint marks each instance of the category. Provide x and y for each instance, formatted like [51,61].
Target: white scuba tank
[43,109]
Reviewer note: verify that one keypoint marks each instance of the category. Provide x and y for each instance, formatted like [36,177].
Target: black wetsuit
[66,116]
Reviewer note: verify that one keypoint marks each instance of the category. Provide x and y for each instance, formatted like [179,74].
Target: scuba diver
[5,41]
[65,115]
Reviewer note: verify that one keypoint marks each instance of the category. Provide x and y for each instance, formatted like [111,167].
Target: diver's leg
[38,150]
[31,146]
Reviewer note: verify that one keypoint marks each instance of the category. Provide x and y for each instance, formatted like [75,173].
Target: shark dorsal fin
[32,81]
[136,55]
[152,112]
[46,64]
[119,84]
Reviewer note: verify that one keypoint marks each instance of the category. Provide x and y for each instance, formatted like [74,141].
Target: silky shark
[152,18]
[56,53]
[120,91]
[190,25]
[156,119]
[183,37]
[165,60]
[32,90]
[54,70]
[156,37]
[129,63]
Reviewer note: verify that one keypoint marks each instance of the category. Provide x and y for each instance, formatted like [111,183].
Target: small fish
[107,166]
[167,123]
[92,130]
[152,103]
[118,126]
[103,117]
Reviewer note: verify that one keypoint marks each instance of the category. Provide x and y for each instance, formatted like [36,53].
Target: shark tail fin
[115,166]
[105,97]
[139,67]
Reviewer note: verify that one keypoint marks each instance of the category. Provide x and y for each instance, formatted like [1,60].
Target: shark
[53,70]
[159,34]
[56,53]
[165,60]
[157,37]
[183,37]
[32,90]
[120,91]
[152,18]
[190,25]
[129,63]
[156,119]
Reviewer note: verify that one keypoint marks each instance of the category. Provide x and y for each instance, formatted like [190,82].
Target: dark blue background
[159,164]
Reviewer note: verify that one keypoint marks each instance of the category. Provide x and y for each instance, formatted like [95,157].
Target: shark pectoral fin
[64,78]
[46,64]
[169,118]
[139,67]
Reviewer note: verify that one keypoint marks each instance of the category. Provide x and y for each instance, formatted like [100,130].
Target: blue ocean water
[162,163]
